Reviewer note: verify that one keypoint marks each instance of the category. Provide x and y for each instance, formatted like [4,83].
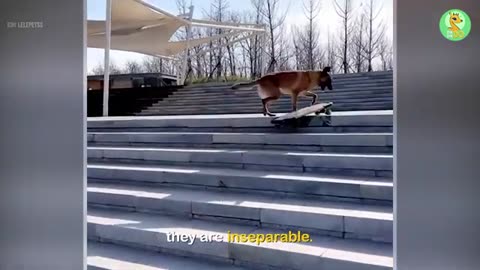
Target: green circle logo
[455,25]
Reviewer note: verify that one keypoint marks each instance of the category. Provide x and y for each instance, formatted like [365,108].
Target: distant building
[138,80]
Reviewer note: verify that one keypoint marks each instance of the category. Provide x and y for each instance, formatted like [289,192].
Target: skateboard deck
[297,118]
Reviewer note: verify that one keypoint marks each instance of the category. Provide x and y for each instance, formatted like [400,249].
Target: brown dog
[294,83]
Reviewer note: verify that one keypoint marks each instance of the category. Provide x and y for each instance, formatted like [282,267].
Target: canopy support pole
[224,45]
[188,37]
[263,57]
[106,75]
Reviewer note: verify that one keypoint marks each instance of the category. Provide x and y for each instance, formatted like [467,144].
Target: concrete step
[250,91]
[282,130]
[258,108]
[256,104]
[305,102]
[337,108]
[361,121]
[369,190]
[271,160]
[339,219]
[276,112]
[146,231]
[102,256]
[284,102]
[253,94]
[336,78]
[339,77]
[362,83]
[337,83]
[324,142]
[255,100]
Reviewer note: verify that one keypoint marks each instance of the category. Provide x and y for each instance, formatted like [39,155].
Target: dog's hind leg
[294,101]
[265,103]
[268,92]
[313,95]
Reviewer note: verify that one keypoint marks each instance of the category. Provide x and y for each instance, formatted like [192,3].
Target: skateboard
[300,117]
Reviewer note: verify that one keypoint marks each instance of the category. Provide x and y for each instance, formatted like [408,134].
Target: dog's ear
[327,69]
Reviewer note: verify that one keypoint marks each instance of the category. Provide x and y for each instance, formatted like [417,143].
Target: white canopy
[137,26]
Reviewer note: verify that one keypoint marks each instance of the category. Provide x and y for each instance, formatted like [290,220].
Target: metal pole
[262,55]
[185,58]
[264,67]
[178,64]
[106,75]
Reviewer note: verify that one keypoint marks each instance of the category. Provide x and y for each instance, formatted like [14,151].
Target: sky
[328,20]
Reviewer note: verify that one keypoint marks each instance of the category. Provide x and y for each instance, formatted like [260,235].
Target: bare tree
[308,53]
[249,49]
[113,68]
[211,53]
[274,20]
[390,59]
[219,7]
[200,60]
[304,60]
[258,47]
[217,13]
[98,69]
[285,53]
[331,55]
[244,66]
[385,51]
[345,11]
[358,43]
[374,36]
[153,64]
[132,67]
[233,17]
[252,46]
[312,9]
[297,48]
[182,33]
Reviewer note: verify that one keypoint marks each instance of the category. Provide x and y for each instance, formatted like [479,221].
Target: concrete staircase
[352,92]
[207,175]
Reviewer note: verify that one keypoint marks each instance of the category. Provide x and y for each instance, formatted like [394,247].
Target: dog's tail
[244,84]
